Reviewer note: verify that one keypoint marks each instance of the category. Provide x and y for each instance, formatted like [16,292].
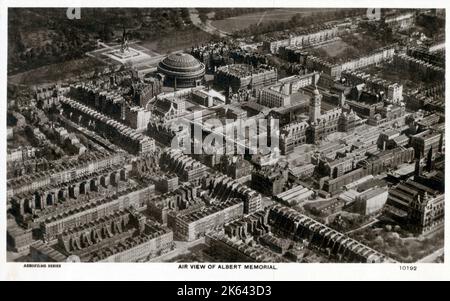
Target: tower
[314,106]
[418,168]
[429,164]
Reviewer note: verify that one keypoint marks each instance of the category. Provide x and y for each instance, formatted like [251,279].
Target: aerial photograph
[217,135]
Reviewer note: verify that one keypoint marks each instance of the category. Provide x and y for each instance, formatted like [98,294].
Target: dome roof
[181,66]
[181,61]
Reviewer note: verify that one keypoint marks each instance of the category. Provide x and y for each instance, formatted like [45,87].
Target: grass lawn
[271,15]
[409,80]
[347,48]
[177,41]
[335,48]
[54,72]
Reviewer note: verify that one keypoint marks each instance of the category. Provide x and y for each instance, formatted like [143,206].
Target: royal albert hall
[182,70]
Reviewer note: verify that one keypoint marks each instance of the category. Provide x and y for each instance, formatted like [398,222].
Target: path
[207,27]
[432,257]
[363,226]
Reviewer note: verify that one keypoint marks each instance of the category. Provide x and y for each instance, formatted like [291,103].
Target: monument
[125,52]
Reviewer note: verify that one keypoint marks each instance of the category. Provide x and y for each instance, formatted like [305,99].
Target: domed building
[182,70]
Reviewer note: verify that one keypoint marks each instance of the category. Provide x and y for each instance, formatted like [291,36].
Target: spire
[122,44]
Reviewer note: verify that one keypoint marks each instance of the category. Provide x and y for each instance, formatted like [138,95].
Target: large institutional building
[320,125]
[280,93]
[242,76]
[182,70]
[417,206]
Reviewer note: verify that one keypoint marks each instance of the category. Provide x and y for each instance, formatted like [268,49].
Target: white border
[170,271]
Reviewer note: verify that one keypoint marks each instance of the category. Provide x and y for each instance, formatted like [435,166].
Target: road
[432,257]
[207,27]
[363,226]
